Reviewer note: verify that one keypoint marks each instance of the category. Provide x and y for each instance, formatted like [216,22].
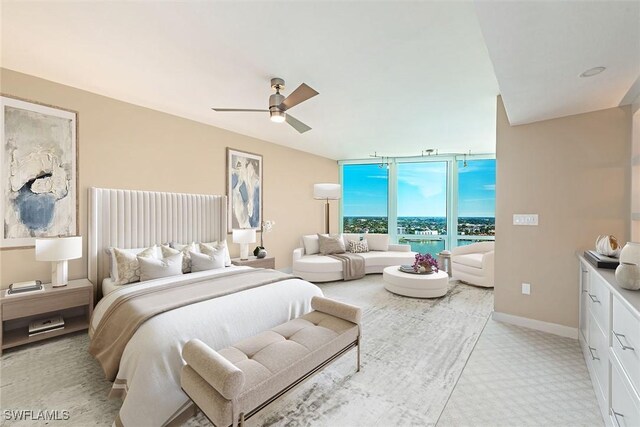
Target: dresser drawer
[625,341]
[599,301]
[625,405]
[597,347]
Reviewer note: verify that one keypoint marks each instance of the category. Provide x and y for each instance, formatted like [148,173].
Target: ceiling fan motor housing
[277,115]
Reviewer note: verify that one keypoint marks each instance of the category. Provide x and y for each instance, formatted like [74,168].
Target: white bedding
[108,286]
[150,367]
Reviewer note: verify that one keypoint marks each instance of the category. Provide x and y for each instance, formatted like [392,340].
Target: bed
[147,366]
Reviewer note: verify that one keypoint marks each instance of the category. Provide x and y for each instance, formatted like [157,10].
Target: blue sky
[421,189]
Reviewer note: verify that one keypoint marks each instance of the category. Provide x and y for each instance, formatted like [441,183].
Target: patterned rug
[413,353]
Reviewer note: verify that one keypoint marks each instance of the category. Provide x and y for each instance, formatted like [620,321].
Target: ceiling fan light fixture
[277,116]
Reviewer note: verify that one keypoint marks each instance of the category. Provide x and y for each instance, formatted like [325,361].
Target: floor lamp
[326,192]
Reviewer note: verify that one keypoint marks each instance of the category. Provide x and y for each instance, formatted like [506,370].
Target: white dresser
[610,340]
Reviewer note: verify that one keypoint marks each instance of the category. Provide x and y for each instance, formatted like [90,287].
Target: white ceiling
[539,49]
[393,77]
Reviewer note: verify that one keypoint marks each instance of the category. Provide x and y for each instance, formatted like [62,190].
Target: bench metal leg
[242,419]
[358,347]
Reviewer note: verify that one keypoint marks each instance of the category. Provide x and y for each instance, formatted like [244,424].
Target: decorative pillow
[217,245]
[331,244]
[311,244]
[378,242]
[153,268]
[127,268]
[358,246]
[204,262]
[113,265]
[185,250]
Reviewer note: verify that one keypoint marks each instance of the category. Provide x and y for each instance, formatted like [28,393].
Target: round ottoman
[415,285]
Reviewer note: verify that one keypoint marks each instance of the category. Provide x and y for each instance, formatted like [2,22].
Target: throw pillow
[219,245]
[358,246]
[127,265]
[184,249]
[204,262]
[331,244]
[153,268]
[378,242]
[113,265]
[311,244]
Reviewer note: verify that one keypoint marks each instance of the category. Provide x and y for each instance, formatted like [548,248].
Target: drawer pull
[615,416]
[591,350]
[624,347]
[594,298]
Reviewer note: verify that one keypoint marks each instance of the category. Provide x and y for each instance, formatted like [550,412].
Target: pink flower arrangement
[427,261]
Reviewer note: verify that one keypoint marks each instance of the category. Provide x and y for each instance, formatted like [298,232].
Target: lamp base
[59,274]
[244,251]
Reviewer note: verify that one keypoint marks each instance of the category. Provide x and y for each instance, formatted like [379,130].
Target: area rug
[413,352]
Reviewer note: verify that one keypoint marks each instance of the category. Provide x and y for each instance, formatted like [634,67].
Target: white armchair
[473,264]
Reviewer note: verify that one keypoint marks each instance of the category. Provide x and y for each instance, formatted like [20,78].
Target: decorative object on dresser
[244,237]
[608,246]
[266,227]
[609,334]
[73,303]
[59,250]
[38,172]
[326,192]
[628,276]
[630,253]
[244,190]
[266,262]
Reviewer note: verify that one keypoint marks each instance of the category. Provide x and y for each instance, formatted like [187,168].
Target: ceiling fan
[278,104]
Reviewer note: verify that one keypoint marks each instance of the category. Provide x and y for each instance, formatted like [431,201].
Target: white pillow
[347,237]
[113,265]
[220,245]
[378,242]
[126,268]
[311,244]
[185,250]
[204,262]
[152,268]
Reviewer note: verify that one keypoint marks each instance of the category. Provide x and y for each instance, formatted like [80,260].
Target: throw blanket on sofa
[130,311]
[352,265]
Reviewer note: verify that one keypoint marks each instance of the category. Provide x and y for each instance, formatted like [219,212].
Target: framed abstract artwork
[38,172]
[244,189]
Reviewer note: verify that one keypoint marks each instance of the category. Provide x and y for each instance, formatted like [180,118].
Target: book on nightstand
[48,324]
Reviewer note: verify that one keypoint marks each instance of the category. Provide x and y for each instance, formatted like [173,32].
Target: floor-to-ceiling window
[432,204]
[422,205]
[365,198]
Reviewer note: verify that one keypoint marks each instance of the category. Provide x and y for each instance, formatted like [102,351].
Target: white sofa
[473,264]
[309,265]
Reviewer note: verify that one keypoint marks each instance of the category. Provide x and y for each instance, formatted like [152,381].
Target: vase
[628,276]
[608,246]
[630,253]
[261,253]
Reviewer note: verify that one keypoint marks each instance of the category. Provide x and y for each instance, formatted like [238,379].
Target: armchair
[473,264]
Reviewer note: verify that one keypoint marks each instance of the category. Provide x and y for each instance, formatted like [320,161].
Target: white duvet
[150,367]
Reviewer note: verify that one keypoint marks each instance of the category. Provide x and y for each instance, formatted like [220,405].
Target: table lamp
[59,250]
[244,237]
[325,191]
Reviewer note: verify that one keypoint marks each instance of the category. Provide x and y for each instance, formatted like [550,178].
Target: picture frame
[38,172]
[244,190]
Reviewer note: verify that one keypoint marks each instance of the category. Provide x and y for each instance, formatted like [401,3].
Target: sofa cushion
[317,264]
[311,244]
[378,258]
[358,246]
[331,244]
[378,242]
[470,260]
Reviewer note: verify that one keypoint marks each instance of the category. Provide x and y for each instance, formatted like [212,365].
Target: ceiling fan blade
[297,124]
[222,110]
[301,94]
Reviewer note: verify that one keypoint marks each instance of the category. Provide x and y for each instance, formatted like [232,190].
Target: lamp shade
[326,191]
[245,235]
[58,248]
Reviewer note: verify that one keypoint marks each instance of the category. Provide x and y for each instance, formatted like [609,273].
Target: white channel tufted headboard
[135,219]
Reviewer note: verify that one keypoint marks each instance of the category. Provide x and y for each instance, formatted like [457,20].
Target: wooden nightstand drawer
[267,262]
[32,306]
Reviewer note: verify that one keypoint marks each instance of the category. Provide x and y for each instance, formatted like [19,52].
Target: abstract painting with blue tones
[244,189]
[38,172]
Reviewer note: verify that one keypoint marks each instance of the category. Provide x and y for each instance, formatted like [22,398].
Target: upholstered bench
[232,384]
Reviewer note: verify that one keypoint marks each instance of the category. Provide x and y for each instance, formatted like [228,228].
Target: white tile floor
[521,377]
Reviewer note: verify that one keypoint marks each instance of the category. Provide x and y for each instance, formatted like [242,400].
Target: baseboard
[539,325]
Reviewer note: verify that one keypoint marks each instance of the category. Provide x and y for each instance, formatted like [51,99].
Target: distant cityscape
[421,226]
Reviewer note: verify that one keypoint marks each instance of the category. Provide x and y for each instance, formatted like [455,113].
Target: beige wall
[125,146]
[635,173]
[575,173]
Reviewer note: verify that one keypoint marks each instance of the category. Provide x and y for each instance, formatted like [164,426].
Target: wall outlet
[525,219]
[526,288]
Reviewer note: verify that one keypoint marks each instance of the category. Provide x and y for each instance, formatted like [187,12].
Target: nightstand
[74,302]
[266,262]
